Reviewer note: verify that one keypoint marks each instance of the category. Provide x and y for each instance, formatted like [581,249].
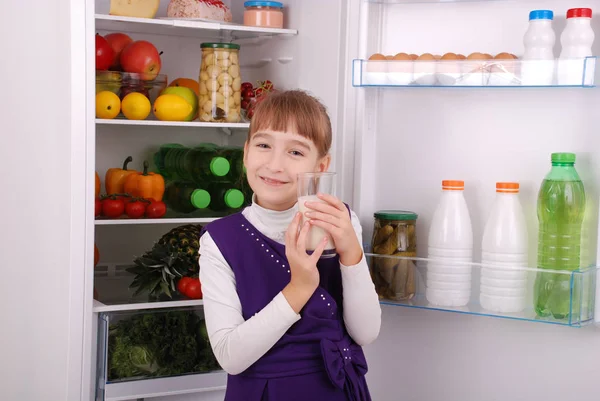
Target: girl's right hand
[303,267]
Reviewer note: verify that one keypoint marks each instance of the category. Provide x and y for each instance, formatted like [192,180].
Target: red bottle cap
[579,13]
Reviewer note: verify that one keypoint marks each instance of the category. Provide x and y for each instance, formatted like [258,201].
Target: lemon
[171,108]
[108,105]
[136,106]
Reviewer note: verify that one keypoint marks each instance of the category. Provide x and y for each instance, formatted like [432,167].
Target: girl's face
[273,159]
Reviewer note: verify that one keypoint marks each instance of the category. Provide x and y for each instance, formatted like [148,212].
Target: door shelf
[185,27]
[187,124]
[575,73]
[410,281]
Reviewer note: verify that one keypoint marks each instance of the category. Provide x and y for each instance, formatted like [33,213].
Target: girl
[283,324]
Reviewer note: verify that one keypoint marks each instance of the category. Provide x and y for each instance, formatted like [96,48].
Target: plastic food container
[268,14]
[220,83]
[394,233]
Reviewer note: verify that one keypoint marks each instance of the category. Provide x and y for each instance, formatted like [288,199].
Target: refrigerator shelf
[429,1]
[403,281]
[186,27]
[111,282]
[186,124]
[127,221]
[574,73]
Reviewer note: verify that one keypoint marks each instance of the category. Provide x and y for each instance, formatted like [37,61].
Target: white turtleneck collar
[271,223]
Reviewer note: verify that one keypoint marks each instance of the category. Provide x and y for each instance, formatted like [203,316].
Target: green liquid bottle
[186,197]
[560,209]
[200,164]
[225,197]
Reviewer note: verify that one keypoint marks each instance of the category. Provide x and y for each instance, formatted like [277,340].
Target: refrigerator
[393,145]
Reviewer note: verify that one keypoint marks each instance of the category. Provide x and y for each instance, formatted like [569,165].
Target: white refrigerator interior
[392,148]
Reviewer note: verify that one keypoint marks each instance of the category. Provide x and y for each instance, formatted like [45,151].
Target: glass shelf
[430,1]
[578,73]
[508,291]
[155,352]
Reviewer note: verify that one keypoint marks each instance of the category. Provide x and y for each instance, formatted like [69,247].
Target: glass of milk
[309,185]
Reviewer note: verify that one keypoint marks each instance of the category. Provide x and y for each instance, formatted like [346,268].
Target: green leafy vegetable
[158,344]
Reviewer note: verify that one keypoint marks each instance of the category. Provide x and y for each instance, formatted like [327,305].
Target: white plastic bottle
[538,58]
[576,41]
[450,249]
[504,252]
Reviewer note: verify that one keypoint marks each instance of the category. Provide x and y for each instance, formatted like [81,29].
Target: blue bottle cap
[274,4]
[541,14]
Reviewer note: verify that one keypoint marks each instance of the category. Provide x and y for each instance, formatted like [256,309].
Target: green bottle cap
[219,166]
[234,198]
[568,158]
[200,199]
[395,215]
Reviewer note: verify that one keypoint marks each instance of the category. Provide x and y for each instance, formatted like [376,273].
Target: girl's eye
[296,153]
[262,146]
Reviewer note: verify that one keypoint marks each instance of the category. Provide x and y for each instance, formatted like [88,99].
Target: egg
[437,56]
[377,69]
[507,67]
[377,57]
[404,65]
[426,57]
[425,69]
[448,68]
[389,57]
[413,56]
[461,56]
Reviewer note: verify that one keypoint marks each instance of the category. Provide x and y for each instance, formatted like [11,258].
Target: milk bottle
[450,249]
[504,251]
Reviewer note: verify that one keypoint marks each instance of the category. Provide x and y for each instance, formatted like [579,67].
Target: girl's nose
[275,163]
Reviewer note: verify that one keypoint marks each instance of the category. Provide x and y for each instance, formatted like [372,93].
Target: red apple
[118,41]
[105,55]
[141,57]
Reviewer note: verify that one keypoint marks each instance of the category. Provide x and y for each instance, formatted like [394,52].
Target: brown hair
[294,111]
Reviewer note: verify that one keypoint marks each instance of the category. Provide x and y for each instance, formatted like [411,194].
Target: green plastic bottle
[186,197]
[560,209]
[200,164]
[225,197]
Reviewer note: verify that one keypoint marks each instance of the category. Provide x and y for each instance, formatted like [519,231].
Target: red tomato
[156,209]
[105,55]
[135,208]
[97,207]
[247,93]
[194,289]
[246,85]
[182,284]
[113,207]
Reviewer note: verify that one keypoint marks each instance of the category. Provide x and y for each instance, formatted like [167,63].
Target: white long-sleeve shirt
[238,343]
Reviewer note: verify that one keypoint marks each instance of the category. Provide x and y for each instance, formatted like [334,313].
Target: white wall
[481,136]
[40,290]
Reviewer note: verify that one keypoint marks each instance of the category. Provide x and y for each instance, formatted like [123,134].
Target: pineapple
[173,256]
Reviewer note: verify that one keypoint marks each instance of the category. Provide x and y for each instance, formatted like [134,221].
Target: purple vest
[316,359]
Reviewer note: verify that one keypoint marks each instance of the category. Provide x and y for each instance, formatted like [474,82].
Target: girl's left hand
[333,216]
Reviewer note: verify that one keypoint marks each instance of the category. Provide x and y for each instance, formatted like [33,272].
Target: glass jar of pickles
[220,83]
[394,234]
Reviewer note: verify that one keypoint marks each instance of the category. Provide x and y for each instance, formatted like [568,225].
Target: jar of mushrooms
[394,235]
[220,83]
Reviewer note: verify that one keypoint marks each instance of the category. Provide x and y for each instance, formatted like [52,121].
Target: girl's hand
[303,267]
[332,215]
